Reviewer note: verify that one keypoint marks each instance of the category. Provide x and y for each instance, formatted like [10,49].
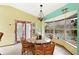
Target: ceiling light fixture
[41,15]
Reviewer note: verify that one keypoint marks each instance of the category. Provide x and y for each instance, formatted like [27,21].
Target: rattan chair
[25,46]
[39,50]
[49,48]
[44,49]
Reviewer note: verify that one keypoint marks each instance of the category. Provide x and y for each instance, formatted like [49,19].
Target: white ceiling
[33,8]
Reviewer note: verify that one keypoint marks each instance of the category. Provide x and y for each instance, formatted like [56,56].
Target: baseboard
[10,44]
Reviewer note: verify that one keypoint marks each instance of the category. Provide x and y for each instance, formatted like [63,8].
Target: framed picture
[1,34]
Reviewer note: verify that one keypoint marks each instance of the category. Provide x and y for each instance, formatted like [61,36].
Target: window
[64,29]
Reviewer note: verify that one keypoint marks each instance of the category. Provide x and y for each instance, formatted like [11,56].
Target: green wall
[71,7]
[78,33]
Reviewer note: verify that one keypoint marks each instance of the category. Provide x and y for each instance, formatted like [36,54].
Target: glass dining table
[41,41]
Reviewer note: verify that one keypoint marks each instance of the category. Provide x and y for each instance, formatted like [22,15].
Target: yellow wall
[8,15]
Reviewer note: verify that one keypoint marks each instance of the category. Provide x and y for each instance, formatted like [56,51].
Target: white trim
[71,44]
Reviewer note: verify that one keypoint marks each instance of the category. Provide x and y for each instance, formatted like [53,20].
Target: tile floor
[16,50]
